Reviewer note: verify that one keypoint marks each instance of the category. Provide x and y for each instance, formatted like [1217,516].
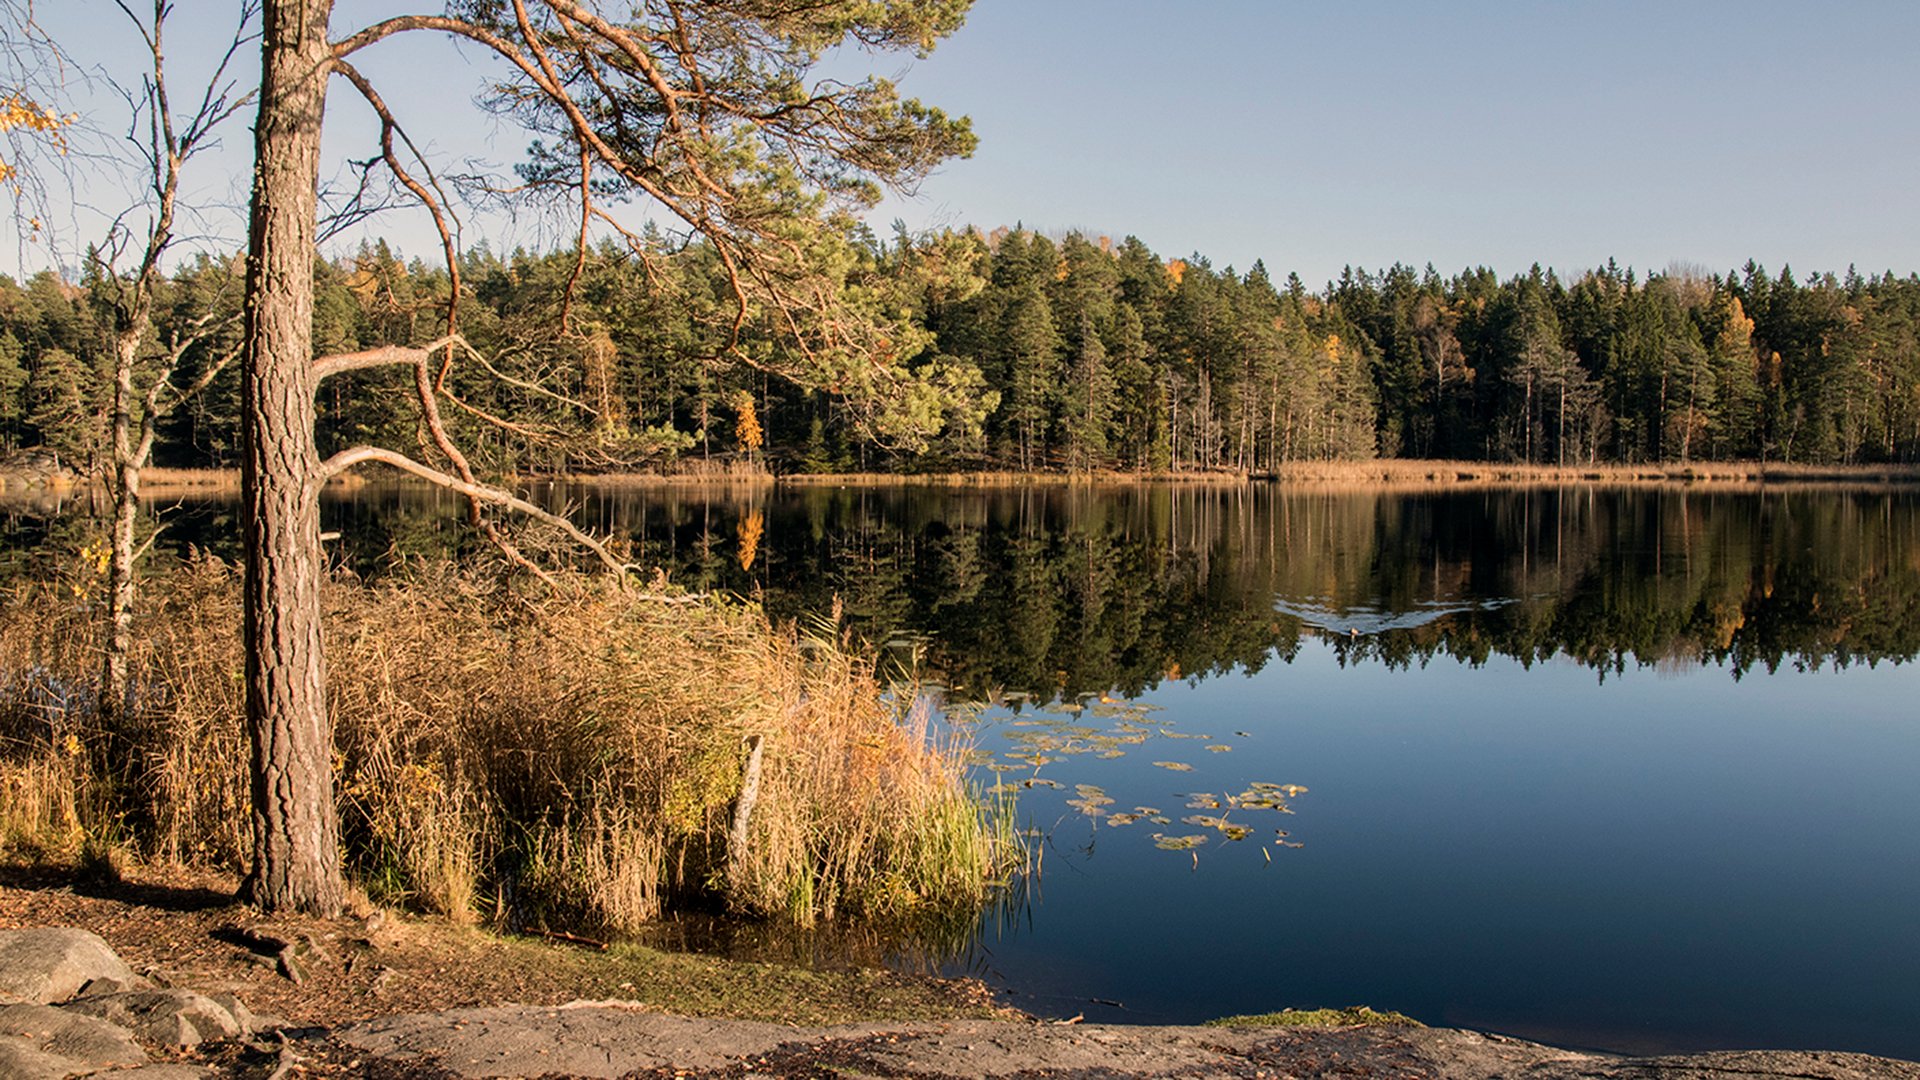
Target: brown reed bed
[690,472]
[1402,474]
[154,477]
[1398,473]
[1002,479]
[563,758]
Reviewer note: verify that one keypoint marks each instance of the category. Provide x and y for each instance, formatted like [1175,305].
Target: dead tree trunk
[296,848]
[125,486]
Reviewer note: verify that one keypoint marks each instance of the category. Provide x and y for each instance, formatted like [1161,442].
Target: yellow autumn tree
[746,424]
[751,528]
[21,115]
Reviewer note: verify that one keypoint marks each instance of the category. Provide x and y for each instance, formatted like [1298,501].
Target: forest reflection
[1062,590]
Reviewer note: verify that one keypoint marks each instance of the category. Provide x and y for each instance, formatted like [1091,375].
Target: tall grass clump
[570,756]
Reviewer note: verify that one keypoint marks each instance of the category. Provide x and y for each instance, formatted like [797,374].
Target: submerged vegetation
[549,758]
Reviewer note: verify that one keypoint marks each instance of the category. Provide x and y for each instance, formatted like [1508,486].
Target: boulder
[249,1022]
[48,964]
[93,1042]
[168,1017]
[21,1060]
[34,467]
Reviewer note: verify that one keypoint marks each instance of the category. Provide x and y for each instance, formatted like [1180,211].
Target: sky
[1310,136]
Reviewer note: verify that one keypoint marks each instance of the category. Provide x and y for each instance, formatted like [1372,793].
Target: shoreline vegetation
[1387,474]
[583,758]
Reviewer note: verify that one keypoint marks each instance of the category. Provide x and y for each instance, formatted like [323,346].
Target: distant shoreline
[1387,474]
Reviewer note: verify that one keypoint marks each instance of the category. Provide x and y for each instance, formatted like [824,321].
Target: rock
[21,1060]
[614,1039]
[47,964]
[249,1023]
[601,1042]
[34,467]
[168,1017]
[104,986]
[90,1040]
[155,1072]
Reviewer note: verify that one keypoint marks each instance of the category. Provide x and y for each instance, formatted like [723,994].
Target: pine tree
[1089,402]
[13,385]
[1032,347]
[64,407]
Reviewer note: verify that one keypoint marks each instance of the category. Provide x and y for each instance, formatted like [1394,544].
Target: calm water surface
[1626,770]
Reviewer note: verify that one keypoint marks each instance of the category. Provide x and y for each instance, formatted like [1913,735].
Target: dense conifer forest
[1034,353]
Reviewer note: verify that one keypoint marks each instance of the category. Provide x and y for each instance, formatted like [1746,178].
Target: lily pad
[1176,766]
[1177,843]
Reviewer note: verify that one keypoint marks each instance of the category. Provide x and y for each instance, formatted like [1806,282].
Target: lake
[1629,769]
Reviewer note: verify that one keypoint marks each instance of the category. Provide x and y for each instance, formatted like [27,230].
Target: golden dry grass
[685,472]
[1405,474]
[1409,474]
[154,477]
[561,757]
[986,479]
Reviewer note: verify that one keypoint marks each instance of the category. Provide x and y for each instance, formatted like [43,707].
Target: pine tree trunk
[296,858]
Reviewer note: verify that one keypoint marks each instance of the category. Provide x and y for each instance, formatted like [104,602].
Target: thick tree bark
[296,846]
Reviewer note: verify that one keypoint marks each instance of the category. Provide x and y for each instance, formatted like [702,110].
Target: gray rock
[101,987]
[603,1041]
[155,1072]
[249,1022]
[168,1017]
[87,1039]
[47,964]
[612,1039]
[21,1060]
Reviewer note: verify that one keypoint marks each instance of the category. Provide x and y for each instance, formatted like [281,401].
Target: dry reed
[565,757]
[1391,473]
[991,479]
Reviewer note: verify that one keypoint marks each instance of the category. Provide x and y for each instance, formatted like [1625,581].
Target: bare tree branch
[347,459]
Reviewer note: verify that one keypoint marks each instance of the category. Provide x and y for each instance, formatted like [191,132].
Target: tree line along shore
[1013,352]
[1379,473]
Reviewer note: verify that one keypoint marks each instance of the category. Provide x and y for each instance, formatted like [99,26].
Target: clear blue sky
[1317,135]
